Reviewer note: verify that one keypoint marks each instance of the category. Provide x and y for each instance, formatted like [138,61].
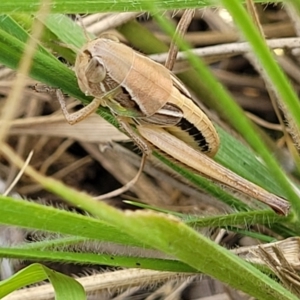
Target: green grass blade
[95,6]
[266,58]
[280,83]
[30,215]
[65,287]
[79,6]
[296,5]
[97,259]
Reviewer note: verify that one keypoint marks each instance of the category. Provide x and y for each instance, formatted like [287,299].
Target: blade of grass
[95,6]
[280,83]
[266,58]
[249,217]
[266,217]
[263,238]
[97,259]
[49,39]
[296,5]
[66,288]
[30,215]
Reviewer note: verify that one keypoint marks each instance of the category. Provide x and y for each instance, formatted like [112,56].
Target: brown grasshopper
[144,95]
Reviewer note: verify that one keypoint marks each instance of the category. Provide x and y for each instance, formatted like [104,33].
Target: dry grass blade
[291,127]
[12,102]
[254,15]
[93,129]
[281,268]
[101,283]
[216,53]
[9,189]
[181,28]
[99,23]
[289,248]
[128,184]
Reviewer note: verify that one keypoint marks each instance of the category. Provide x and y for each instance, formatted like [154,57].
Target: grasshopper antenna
[80,20]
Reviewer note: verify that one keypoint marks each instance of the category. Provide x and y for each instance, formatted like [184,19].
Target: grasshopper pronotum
[145,95]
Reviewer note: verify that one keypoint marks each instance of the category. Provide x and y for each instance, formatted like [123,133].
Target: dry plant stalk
[119,280]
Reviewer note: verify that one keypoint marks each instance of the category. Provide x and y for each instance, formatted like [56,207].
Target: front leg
[140,142]
[79,115]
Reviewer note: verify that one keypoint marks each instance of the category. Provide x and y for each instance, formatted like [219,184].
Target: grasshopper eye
[87,53]
[95,71]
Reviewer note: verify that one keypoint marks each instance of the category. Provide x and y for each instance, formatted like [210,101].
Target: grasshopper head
[90,71]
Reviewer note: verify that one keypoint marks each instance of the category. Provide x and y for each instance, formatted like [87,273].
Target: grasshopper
[154,107]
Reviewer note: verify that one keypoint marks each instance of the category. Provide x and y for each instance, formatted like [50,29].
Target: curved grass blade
[66,288]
